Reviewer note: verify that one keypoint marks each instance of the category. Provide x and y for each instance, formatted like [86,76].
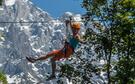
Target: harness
[72,43]
[64,50]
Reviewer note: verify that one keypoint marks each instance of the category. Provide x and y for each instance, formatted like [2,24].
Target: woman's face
[75,31]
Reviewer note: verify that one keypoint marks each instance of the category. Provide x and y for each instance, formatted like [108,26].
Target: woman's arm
[68,22]
[80,40]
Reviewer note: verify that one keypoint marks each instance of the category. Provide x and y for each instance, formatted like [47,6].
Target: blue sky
[57,7]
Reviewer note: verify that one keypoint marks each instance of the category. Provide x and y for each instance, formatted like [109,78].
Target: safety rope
[67,35]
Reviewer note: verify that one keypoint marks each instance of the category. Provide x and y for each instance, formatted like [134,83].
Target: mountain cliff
[27,30]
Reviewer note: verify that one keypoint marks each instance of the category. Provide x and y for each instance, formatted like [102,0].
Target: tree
[117,39]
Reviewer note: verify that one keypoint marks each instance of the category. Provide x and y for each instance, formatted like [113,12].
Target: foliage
[116,38]
[0,2]
[80,70]
[3,78]
[124,75]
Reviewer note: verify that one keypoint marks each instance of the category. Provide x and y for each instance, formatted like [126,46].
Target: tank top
[73,42]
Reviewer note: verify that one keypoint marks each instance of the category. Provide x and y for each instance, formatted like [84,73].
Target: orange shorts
[65,52]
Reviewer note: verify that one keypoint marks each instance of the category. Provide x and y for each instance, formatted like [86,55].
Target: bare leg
[52,61]
[53,69]
[32,60]
[45,57]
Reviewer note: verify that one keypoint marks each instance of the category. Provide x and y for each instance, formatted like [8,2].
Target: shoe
[51,77]
[30,59]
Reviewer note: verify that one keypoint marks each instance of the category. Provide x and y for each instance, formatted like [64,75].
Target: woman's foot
[30,59]
[51,77]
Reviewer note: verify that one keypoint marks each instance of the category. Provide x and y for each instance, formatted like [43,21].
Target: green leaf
[3,78]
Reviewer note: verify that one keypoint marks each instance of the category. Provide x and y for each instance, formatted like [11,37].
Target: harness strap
[66,47]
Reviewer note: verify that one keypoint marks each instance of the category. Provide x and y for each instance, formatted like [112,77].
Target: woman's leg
[53,67]
[53,62]
[44,57]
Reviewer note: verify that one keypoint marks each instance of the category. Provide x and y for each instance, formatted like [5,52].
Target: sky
[56,8]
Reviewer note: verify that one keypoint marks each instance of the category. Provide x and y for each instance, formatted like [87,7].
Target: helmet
[67,16]
[75,25]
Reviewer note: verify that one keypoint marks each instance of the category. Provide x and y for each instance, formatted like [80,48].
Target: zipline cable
[27,22]
[44,21]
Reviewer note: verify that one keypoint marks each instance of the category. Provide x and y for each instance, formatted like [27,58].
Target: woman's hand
[80,40]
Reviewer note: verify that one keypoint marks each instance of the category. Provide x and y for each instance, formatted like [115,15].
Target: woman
[65,52]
